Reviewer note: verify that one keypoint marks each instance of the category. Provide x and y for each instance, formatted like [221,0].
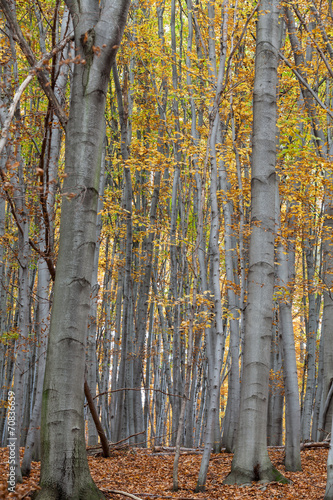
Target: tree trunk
[33,440]
[251,461]
[49,162]
[276,397]
[317,413]
[329,483]
[232,410]
[215,334]
[91,357]
[327,316]
[293,416]
[21,348]
[64,471]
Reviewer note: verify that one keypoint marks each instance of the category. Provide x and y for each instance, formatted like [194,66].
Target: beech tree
[251,461]
[64,470]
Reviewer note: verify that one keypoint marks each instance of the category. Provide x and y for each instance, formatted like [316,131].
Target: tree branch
[322,29]
[313,40]
[306,85]
[138,389]
[4,136]
[94,414]
[36,67]
[117,492]
[45,256]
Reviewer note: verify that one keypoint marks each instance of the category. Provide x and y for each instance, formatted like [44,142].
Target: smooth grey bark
[329,482]
[104,341]
[157,403]
[317,414]
[166,343]
[215,339]
[21,349]
[198,196]
[138,322]
[198,438]
[293,416]
[115,398]
[103,383]
[149,245]
[143,294]
[5,355]
[50,167]
[231,415]
[174,264]
[64,471]
[18,207]
[145,264]
[189,362]
[327,317]
[147,415]
[326,401]
[91,360]
[125,407]
[276,397]
[32,444]
[251,461]
[311,332]
[8,281]
[173,314]
[3,295]
[323,411]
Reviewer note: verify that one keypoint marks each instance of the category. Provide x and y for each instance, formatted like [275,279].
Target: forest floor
[148,475]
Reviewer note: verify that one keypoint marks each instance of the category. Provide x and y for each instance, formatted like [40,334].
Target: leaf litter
[147,475]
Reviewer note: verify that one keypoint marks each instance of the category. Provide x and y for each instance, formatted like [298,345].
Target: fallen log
[320,444]
[172,449]
[168,453]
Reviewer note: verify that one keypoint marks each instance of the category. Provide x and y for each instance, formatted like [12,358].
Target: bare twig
[153,495]
[139,389]
[306,85]
[124,493]
[34,70]
[313,40]
[36,67]
[95,449]
[170,450]
[322,29]
[45,256]
[4,136]
[128,437]
[226,79]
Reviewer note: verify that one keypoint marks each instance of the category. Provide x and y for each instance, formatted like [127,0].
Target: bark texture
[329,483]
[251,461]
[64,471]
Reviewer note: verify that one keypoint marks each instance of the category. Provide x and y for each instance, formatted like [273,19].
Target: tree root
[245,477]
